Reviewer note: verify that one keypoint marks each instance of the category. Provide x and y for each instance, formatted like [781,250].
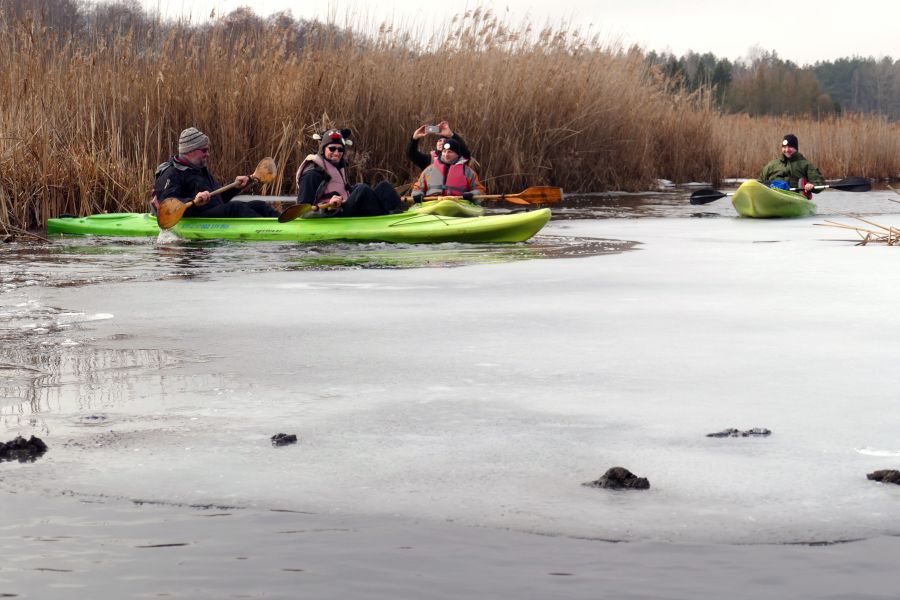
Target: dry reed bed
[865,146]
[85,121]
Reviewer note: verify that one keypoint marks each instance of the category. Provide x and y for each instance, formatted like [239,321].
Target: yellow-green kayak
[425,223]
[757,200]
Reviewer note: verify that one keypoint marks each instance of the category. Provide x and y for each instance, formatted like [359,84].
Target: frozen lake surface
[484,394]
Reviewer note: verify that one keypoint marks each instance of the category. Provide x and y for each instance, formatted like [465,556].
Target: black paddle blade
[853,184]
[706,196]
[292,212]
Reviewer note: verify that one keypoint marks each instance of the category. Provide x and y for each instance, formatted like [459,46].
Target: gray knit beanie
[191,139]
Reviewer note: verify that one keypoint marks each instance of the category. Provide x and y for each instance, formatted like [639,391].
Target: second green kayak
[757,200]
[415,226]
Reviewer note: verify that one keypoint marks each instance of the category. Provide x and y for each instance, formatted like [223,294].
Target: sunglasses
[335,149]
[203,150]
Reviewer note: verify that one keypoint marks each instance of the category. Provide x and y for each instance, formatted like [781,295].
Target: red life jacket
[446,180]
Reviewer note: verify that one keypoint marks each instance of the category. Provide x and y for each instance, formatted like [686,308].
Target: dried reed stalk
[881,234]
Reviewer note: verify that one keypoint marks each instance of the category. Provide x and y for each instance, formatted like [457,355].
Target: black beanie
[451,144]
[791,140]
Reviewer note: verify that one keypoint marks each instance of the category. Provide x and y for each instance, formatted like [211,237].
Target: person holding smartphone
[449,175]
[444,133]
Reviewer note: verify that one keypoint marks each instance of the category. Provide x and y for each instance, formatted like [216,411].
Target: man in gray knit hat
[186,177]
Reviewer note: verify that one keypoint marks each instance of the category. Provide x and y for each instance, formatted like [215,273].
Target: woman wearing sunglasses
[322,182]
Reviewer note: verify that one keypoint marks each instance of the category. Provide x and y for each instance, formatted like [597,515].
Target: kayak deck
[415,226]
[757,200]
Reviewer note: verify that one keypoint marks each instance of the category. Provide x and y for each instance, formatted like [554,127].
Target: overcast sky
[801,31]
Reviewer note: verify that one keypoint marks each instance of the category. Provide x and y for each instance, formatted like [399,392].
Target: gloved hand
[468,195]
[417,196]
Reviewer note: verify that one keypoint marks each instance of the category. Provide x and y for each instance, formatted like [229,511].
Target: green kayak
[424,223]
[757,200]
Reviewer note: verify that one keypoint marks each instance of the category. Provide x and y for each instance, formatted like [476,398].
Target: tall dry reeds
[866,146]
[85,119]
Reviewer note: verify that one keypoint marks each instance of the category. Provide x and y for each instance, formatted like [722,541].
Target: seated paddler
[792,170]
[186,177]
[448,175]
[322,182]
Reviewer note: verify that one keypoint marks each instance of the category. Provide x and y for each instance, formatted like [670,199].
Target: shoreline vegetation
[86,118]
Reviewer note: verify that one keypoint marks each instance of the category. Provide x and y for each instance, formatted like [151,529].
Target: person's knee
[262,209]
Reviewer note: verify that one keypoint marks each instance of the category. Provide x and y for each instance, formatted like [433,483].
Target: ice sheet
[487,394]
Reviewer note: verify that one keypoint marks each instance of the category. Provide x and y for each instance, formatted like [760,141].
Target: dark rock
[755,432]
[885,476]
[283,439]
[620,478]
[22,450]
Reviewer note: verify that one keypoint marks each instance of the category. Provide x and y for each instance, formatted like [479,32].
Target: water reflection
[183,260]
[83,261]
[409,256]
[48,364]
[674,202]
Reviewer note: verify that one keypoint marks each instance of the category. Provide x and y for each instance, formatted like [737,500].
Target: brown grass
[86,119]
[866,146]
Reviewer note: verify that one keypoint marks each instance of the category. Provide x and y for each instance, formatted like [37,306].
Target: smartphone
[432,129]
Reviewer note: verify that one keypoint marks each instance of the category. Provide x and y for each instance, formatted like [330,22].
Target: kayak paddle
[292,212]
[171,210]
[707,195]
[850,184]
[538,194]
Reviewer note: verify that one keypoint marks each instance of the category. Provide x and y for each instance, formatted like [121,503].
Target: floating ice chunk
[875,452]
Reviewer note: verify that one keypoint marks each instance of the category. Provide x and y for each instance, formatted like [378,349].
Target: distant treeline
[764,84]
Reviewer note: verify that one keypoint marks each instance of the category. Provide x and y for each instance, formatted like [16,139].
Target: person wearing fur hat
[186,177]
[322,182]
[448,175]
[792,169]
[422,160]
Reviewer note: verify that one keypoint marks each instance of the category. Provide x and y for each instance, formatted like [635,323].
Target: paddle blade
[852,184]
[516,200]
[293,212]
[539,194]
[706,196]
[170,212]
[265,171]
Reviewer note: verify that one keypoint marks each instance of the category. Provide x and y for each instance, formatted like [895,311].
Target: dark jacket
[182,181]
[312,184]
[791,170]
[423,160]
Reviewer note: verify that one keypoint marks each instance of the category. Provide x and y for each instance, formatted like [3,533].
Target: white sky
[801,31]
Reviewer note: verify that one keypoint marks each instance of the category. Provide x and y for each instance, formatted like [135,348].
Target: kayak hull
[414,227]
[756,200]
